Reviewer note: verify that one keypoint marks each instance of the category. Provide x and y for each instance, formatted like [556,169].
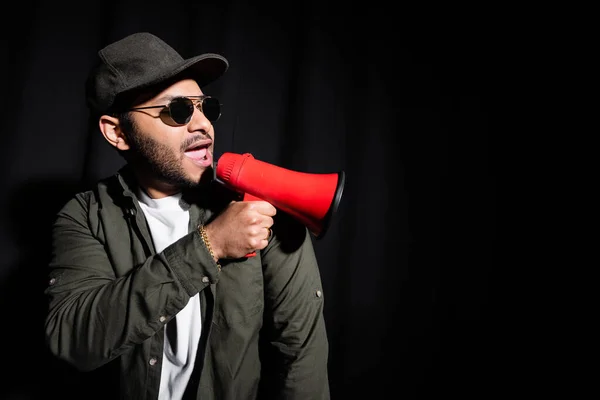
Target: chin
[205,175]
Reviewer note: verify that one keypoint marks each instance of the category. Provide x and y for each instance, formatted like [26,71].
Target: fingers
[267,222]
[264,207]
[242,227]
[262,215]
[268,211]
[263,234]
[261,239]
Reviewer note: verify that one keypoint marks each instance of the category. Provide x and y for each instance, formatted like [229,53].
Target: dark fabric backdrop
[400,98]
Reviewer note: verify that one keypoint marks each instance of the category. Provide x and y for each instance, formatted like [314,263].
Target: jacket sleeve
[295,351]
[96,312]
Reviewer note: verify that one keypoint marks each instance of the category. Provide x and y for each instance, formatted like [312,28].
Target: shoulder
[79,205]
[90,198]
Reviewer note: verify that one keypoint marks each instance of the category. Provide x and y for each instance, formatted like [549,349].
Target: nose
[199,122]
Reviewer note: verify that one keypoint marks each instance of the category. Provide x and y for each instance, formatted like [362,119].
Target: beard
[160,160]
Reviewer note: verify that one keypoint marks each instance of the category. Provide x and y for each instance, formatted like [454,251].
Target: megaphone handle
[249,197]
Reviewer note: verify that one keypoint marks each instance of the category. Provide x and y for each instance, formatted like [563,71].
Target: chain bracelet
[207,243]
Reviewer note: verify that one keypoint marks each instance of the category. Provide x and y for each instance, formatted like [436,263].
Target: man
[150,277]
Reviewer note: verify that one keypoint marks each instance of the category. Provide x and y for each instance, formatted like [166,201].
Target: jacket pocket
[239,293]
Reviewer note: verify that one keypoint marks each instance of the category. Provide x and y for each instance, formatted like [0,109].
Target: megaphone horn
[312,199]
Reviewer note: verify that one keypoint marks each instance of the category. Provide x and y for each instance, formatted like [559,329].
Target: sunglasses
[179,111]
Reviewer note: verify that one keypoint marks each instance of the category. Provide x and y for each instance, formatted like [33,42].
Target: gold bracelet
[207,243]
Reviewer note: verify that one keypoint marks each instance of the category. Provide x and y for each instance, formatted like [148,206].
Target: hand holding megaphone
[241,228]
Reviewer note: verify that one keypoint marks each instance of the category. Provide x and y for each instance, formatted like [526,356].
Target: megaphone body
[312,199]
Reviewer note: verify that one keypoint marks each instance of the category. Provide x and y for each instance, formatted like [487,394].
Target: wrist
[205,235]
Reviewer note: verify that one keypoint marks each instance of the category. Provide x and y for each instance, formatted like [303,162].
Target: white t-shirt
[168,222]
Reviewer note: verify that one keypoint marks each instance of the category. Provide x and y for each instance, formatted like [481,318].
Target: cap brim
[204,69]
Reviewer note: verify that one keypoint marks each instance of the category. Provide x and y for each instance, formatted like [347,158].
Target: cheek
[168,138]
[174,145]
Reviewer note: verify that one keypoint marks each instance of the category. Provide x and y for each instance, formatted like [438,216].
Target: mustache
[192,139]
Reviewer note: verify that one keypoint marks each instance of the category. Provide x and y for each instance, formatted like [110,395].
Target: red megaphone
[312,199]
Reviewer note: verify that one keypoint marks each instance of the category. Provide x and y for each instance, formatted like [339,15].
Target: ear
[111,130]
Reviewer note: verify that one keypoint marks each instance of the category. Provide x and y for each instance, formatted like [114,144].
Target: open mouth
[200,153]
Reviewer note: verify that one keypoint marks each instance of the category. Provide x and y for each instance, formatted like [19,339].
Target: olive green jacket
[110,295]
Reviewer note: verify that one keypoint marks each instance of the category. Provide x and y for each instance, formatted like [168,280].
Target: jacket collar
[210,196]
[127,181]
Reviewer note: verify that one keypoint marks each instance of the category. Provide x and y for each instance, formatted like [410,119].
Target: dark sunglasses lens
[211,108]
[181,110]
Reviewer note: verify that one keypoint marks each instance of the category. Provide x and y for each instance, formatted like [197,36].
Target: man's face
[170,158]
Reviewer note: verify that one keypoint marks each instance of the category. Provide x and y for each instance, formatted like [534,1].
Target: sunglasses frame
[167,118]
